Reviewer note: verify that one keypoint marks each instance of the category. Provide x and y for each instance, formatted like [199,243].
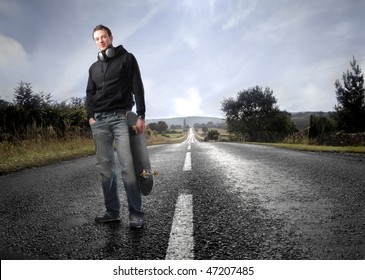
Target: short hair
[101,27]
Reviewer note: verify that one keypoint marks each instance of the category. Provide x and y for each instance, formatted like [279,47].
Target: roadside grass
[168,139]
[301,147]
[28,153]
[178,133]
[316,148]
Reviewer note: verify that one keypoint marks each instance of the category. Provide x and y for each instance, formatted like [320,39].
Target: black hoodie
[112,84]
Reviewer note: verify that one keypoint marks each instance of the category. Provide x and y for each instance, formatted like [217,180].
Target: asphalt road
[214,200]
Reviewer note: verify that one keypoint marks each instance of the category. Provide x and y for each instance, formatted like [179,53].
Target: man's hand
[141,126]
[91,121]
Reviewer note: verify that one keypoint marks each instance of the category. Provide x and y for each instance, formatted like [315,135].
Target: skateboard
[142,165]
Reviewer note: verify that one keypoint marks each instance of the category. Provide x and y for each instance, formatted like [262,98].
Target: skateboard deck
[142,165]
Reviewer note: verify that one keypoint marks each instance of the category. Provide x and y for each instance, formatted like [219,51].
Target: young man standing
[113,87]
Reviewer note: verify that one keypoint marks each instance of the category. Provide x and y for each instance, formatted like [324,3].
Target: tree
[255,116]
[350,112]
[278,125]
[24,95]
[31,107]
[213,134]
[319,126]
[3,103]
[153,126]
[36,116]
[162,126]
[159,127]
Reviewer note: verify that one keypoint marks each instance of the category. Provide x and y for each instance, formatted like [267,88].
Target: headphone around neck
[108,53]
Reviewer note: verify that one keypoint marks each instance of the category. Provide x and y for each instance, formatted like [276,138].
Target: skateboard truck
[147,173]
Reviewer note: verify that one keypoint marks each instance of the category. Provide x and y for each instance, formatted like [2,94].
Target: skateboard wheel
[143,174]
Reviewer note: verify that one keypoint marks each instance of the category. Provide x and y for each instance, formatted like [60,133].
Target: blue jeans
[107,128]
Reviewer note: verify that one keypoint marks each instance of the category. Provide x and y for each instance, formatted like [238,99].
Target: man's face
[102,39]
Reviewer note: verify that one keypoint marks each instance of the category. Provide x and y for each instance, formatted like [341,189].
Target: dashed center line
[181,242]
[187,163]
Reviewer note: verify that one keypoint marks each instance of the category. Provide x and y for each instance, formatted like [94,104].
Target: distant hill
[189,120]
[300,119]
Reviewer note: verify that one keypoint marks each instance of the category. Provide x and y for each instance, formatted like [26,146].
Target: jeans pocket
[121,115]
[98,116]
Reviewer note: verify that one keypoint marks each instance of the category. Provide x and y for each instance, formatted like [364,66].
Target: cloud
[312,97]
[14,65]
[12,53]
[145,14]
[190,40]
[239,11]
[192,54]
[189,104]
[9,8]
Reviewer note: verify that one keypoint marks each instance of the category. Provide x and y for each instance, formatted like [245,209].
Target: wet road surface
[217,200]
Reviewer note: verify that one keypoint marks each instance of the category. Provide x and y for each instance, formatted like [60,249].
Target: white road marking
[187,163]
[192,139]
[181,242]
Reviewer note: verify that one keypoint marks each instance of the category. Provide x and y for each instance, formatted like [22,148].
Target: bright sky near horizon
[192,54]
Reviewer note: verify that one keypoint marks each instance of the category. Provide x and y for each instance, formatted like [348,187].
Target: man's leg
[134,197]
[103,138]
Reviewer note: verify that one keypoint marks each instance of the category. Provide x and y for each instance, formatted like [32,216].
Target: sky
[192,54]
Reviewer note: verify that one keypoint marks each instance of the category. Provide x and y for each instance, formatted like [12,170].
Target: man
[114,79]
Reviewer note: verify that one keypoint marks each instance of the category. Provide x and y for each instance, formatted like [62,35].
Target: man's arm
[137,86]
[90,92]
[138,91]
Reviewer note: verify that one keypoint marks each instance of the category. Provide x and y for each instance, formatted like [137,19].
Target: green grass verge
[315,148]
[173,138]
[27,154]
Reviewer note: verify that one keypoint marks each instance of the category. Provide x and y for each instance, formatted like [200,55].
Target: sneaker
[135,222]
[106,218]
